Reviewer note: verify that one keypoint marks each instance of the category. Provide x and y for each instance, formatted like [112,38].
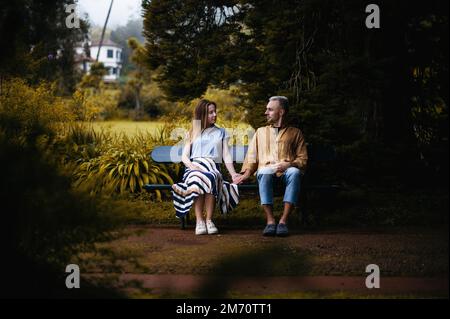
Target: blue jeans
[291,178]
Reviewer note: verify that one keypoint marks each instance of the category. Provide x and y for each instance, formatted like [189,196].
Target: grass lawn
[129,128]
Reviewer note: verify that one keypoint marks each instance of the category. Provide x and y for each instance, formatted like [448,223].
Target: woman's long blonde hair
[200,114]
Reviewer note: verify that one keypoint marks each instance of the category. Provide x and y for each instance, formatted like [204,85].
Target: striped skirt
[207,181]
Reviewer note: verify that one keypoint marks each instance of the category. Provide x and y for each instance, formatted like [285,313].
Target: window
[114,71]
[110,53]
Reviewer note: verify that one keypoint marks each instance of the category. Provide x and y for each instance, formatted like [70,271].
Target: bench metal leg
[303,207]
[184,221]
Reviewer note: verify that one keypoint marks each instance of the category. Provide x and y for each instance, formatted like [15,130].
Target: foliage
[94,79]
[230,106]
[123,167]
[44,220]
[30,112]
[154,103]
[348,85]
[188,41]
[139,76]
[37,45]
[90,105]
[108,163]
[121,34]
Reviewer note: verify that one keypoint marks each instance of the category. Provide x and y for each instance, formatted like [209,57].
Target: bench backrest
[172,154]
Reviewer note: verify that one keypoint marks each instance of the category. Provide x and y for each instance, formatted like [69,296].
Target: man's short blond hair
[282,100]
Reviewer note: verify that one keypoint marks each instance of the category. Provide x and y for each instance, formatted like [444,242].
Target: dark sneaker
[282,230]
[270,230]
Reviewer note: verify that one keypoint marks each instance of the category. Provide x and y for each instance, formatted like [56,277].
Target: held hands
[236,177]
[240,178]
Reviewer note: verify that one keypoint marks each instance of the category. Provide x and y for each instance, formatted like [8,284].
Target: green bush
[123,165]
[45,222]
[89,104]
[152,100]
[29,112]
[79,142]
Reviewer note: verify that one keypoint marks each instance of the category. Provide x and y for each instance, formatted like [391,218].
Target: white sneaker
[212,229]
[200,228]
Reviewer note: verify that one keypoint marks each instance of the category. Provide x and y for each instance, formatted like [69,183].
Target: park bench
[311,181]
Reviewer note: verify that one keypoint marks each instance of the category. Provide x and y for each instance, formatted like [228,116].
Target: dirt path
[172,261]
[209,286]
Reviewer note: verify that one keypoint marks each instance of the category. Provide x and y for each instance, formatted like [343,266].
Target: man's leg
[286,211]
[265,183]
[269,214]
[291,178]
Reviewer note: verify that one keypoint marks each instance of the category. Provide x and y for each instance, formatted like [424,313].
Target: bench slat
[172,154]
[151,187]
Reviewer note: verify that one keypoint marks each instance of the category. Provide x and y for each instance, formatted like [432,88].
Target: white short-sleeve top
[210,144]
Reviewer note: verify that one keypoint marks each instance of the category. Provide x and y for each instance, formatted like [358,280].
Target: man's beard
[271,120]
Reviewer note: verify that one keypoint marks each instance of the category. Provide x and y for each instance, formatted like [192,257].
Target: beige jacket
[271,145]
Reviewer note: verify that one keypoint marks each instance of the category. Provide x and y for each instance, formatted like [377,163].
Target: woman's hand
[240,178]
[236,178]
[195,167]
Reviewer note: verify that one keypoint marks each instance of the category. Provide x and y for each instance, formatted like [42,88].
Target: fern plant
[124,166]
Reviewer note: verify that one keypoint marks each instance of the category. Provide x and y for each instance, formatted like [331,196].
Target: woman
[202,184]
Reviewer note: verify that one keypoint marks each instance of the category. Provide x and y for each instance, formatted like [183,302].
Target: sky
[121,11]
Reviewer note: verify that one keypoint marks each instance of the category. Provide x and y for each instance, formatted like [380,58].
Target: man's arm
[301,153]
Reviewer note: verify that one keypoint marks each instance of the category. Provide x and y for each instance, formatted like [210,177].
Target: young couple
[276,151]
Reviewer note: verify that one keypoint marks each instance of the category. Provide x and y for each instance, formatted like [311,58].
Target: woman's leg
[210,204]
[199,204]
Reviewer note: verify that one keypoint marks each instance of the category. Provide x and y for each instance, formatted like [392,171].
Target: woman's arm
[185,157]
[228,160]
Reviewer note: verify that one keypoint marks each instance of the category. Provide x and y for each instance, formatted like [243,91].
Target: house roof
[106,42]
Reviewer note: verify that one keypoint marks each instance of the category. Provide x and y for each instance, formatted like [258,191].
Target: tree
[188,41]
[36,44]
[140,75]
[120,35]
[365,91]
[94,79]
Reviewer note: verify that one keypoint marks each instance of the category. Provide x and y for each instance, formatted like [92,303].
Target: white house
[110,56]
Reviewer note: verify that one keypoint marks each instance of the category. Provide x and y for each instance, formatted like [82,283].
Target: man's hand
[236,177]
[241,178]
[281,167]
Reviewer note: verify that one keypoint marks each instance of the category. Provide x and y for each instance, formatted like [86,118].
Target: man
[276,151]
